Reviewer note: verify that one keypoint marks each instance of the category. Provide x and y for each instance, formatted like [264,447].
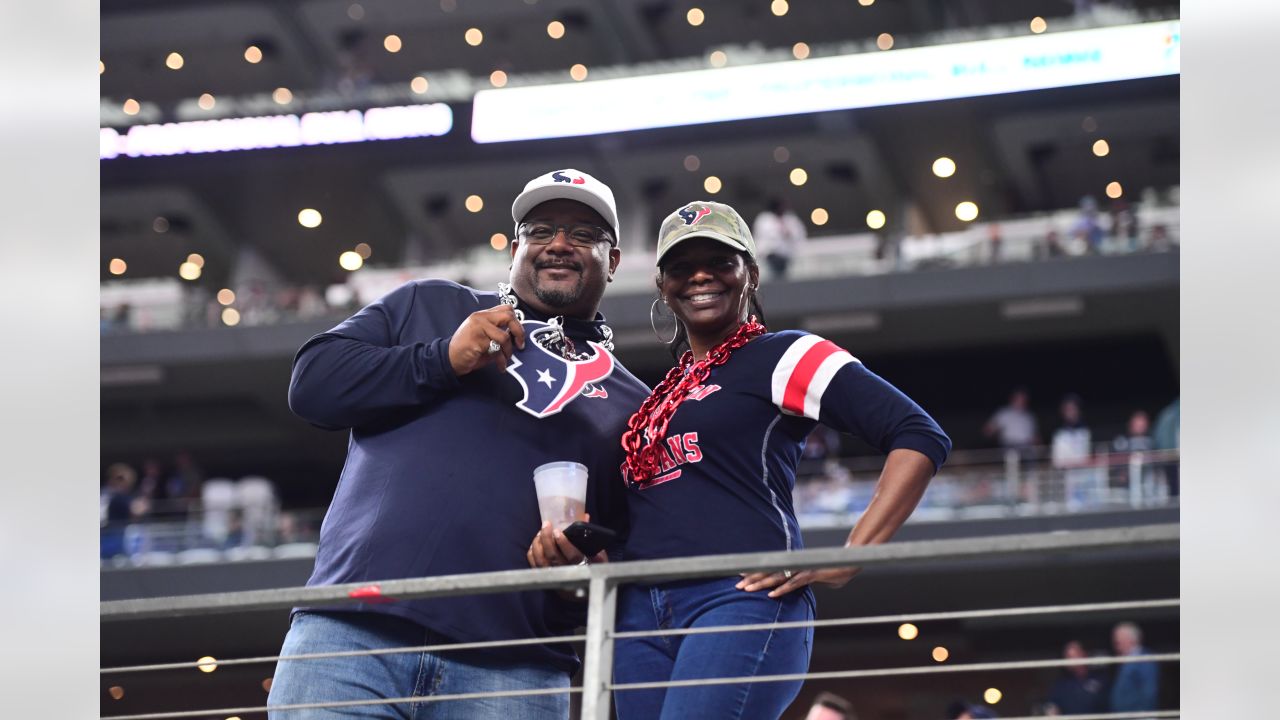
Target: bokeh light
[350,260]
[309,218]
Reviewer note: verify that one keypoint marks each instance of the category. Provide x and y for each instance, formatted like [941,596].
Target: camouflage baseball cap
[705,219]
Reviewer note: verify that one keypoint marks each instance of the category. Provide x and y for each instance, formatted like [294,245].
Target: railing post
[597,670]
[1135,479]
[1012,479]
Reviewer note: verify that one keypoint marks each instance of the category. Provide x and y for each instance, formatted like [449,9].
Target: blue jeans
[402,674]
[708,603]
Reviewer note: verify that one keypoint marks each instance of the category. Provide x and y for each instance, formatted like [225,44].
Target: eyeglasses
[578,234]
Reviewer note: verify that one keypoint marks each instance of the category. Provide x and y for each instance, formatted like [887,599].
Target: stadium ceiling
[1015,154]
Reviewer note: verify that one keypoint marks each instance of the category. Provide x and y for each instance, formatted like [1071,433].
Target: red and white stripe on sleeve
[804,372]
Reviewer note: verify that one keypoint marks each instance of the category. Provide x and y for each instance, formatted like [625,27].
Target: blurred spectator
[1166,438]
[1071,452]
[1086,228]
[116,319]
[1137,684]
[1080,690]
[1013,425]
[1159,238]
[828,706]
[255,496]
[1051,247]
[995,241]
[151,484]
[778,232]
[311,303]
[235,534]
[119,508]
[1137,437]
[185,481]
[1124,226]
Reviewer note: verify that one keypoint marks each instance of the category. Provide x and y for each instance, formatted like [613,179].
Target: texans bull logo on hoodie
[551,382]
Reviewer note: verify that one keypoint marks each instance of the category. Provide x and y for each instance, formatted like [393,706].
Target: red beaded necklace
[649,423]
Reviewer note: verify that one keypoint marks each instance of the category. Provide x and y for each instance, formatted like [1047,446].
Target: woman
[711,459]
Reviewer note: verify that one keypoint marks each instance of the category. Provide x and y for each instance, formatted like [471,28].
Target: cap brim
[731,242]
[531,199]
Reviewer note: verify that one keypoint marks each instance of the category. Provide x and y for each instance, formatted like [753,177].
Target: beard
[559,297]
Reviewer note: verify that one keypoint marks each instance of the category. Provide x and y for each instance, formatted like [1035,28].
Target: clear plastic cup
[562,492]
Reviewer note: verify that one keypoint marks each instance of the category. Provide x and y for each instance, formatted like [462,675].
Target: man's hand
[469,348]
[550,548]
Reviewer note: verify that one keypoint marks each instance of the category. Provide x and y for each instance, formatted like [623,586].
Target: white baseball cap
[568,184]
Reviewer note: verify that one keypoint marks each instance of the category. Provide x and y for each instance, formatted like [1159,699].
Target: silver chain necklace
[560,341]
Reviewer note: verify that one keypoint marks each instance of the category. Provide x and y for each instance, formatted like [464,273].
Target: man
[1013,425]
[778,233]
[438,478]
[1137,684]
[1080,690]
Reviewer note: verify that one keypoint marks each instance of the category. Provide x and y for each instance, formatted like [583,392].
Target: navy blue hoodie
[439,472]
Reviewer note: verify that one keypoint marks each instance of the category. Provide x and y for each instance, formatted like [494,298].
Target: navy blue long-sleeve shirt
[731,449]
[439,472]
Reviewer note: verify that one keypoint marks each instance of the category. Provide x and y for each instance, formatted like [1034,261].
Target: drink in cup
[562,492]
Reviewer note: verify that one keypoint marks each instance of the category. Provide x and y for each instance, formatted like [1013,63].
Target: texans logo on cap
[559,176]
[691,214]
[550,382]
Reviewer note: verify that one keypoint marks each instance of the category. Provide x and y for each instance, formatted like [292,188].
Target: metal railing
[983,484]
[602,582]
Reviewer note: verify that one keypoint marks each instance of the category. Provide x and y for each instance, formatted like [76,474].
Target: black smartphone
[589,538]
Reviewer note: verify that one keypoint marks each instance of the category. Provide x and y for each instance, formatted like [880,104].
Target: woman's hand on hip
[786,581]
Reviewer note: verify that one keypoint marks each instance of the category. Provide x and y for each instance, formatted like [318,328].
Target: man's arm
[362,369]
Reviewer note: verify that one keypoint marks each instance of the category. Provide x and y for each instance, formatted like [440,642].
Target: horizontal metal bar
[1141,715]
[448,647]
[917,617]
[913,670]
[227,712]
[882,672]
[647,570]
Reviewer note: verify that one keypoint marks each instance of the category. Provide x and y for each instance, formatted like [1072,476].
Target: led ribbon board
[253,133]
[940,72]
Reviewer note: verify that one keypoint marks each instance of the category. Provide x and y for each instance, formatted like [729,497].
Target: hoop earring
[653,323]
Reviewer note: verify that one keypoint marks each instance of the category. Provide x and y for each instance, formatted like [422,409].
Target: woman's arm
[902,483]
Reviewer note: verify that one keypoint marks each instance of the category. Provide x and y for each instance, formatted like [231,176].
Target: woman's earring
[653,323]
